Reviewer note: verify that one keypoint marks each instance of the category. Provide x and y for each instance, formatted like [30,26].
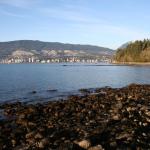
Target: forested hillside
[39,48]
[138,51]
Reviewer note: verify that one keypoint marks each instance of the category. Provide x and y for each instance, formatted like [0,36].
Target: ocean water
[50,81]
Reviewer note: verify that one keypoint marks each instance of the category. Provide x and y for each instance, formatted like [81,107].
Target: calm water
[17,81]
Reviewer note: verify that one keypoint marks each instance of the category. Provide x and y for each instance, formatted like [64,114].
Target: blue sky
[108,23]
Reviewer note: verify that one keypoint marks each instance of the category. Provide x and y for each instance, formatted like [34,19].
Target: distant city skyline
[107,23]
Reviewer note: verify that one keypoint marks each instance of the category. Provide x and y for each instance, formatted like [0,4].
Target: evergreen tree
[138,51]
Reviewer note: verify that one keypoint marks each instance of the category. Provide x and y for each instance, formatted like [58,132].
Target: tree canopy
[138,51]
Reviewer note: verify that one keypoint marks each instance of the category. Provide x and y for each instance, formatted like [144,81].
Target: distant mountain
[39,49]
[125,45]
[138,51]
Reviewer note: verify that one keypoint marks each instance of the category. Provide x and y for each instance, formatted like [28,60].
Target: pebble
[84,144]
[38,136]
[42,143]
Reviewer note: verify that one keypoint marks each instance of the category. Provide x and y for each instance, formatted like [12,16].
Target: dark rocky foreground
[107,119]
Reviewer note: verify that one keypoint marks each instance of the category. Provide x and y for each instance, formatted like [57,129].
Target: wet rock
[84,91]
[148,113]
[13,141]
[31,141]
[43,143]
[123,136]
[21,116]
[33,92]
[84,144]
[31,124]
[30,134]
[119,105]
[117,119]
[22,147]
[9,111]
[38,136]
[97,147]
[113,144]
[69,146]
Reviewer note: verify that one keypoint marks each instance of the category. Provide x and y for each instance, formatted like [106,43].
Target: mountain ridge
[125,45]
[36,47]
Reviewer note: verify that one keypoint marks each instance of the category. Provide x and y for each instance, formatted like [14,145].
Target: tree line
[138,51]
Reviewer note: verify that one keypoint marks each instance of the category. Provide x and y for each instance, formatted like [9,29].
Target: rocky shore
[106,119]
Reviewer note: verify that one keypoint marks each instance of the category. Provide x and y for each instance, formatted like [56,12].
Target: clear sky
[108,23]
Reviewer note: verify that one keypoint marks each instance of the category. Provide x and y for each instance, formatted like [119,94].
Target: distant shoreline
[131,63]
[85,64]
[90,64]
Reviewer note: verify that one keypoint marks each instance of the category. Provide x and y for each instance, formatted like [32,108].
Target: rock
[43,143]
[148,120]
[32,124]
[123,136]
[116,117]
[13,141]
[38,136]
[148,113]
[111,120]
[98,147]
[21,116]
[22,147]
[129,109]
[84,144]
[9,112]
[30,141]
[84,90]
[69,146]
[30,134]
[113,144]
[119,105]
[33,92]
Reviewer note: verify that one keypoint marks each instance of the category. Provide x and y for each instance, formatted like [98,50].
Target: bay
[42,82]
